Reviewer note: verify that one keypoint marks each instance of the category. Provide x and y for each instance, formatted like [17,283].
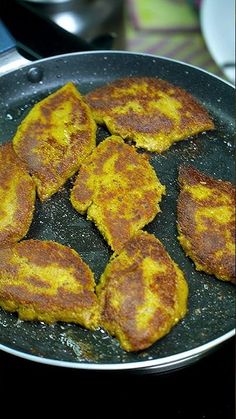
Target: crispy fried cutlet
[119,189]
[142,293]
[54,138]
[46,281]
[206,222]
[17,196]
[150,111]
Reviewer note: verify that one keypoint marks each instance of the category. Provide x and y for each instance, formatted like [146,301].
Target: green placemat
[167,15]
[184,43]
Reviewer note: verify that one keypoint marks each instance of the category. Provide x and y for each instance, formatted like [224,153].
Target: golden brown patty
[54,138]
[142,293]
[44,280]
[149,111]
[17,196]
[119,189]
[206,222]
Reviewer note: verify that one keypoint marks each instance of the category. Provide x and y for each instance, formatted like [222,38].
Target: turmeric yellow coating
[54,138]
[119,189]
[46,281]
[206,222]
[142,293]
[17,196]
[150,111]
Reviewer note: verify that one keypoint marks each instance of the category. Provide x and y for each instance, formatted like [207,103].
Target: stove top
[63,26]
[86,18]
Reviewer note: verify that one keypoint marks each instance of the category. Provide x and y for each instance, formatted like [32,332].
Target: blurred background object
[172,28]
[198,32]
[218,28]
[91,24]
[88,19]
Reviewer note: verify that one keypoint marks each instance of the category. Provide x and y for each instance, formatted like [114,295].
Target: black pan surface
[211,306]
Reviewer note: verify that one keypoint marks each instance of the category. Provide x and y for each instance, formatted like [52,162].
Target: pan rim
[181,358]
[120,52]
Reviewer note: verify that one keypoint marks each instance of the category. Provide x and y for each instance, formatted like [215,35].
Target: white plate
[217,19]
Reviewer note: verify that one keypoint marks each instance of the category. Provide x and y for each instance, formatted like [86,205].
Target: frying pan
[211,308]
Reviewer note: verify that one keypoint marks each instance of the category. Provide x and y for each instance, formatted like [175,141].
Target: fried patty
[46,281]
[150,111]
[54,138]
[17,196]
[119,189]
[206,222]
[142,293]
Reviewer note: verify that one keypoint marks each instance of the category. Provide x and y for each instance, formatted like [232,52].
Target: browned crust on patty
[44,280]
[55,137]
[152,112]
[142,293]
[119,189]
[206,222]
[17,196]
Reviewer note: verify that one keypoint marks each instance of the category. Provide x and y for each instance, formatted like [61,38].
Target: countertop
[203,390]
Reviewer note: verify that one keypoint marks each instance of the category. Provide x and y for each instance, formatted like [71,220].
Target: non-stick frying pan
[211,307]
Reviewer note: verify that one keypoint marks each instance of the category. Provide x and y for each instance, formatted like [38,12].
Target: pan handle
[10,58]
